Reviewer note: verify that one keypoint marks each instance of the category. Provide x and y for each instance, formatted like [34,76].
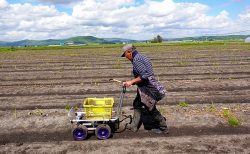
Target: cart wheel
[103,131]
[80,133]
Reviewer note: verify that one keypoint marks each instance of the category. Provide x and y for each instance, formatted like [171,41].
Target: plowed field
[36,86]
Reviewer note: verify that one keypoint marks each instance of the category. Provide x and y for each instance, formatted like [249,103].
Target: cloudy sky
[132,19]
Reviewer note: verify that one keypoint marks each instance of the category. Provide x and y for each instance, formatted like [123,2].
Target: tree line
[157,39]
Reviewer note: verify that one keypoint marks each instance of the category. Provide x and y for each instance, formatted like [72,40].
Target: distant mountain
[85,40]
[79,40]
[210,38]
[3,43]
[120,40]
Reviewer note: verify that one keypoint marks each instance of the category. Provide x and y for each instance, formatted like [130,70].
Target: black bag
[148,121]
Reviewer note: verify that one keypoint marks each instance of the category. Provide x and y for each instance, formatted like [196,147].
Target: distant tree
[157,39]
[12,48]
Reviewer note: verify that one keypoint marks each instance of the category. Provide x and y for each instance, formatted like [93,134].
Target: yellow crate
[98,108]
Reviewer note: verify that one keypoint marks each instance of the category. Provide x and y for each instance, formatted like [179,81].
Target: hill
[79,40]
[210,38]
[83,40]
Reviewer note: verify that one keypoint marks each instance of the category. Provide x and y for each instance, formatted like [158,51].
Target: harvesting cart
[97,117]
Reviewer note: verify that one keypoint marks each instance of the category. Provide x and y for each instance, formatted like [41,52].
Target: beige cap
[126,48]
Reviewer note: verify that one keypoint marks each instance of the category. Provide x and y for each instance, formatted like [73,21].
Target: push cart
[97,117]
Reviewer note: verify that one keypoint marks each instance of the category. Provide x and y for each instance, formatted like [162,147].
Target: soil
[37,86]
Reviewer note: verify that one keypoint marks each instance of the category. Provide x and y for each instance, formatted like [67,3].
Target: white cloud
[160,9]
[25,21]
[245,16]
[59,1]
[3,4]
[208,22]
[113,18]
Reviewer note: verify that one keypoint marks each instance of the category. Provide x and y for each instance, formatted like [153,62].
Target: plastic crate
[98,108]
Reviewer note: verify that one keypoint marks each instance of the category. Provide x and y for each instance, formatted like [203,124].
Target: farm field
[211,80]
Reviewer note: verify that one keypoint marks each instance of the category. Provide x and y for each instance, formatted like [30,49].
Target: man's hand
[127,83]
[132,82]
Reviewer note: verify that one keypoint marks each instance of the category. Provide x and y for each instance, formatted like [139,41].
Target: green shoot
[233,121]
[226,113]
[67,107]
[183,104]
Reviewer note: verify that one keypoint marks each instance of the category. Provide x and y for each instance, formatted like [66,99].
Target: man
[149,90]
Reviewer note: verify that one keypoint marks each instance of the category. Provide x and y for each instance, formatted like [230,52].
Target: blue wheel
[103,132]
[80,133]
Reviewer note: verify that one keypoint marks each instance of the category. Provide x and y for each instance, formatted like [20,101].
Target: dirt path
[182,144]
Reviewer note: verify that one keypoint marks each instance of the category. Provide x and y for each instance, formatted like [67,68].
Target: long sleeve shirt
[150,89]
[141,66]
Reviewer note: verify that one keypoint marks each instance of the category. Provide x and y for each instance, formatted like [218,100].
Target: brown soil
[35,87]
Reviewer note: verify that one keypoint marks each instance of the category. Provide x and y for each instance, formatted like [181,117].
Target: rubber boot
[162,121]
[136,121]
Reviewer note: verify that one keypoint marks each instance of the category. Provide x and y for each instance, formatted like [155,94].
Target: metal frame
[92,124]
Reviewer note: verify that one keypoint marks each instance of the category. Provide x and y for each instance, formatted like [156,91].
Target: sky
[130,19]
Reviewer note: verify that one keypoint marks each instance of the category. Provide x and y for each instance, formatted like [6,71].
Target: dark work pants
[138,106]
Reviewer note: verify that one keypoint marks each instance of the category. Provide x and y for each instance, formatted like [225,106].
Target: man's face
[128,55]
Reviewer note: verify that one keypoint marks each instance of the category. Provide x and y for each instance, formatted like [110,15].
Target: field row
[80,67]
[37,88]
[113,73]
[109,59]
[46,125]
[61,100]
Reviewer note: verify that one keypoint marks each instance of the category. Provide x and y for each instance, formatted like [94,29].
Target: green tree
[157,39]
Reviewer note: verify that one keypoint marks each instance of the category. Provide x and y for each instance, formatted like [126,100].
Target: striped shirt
[150,90]
[141,66]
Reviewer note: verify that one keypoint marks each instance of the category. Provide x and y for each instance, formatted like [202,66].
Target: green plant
[12,48]
[182,63]
[183,104]
[67,107]
[233,121]
[37,112]
[15,113]
[157,39]
[212,107]
[76,108]
[226,113]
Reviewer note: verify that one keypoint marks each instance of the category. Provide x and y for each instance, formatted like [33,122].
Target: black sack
[148,121]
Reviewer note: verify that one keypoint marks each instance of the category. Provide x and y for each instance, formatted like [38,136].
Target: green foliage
[12,48]
[15,113]
[105,47]
[212,107]
[157,39]
[8,49]
[85,40]
[182,63]
[183,104]
[76,108]
[37,112]
[226,113]
[67,107]
[233,121]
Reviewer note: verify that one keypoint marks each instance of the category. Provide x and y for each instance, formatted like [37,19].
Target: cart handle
[124,89]
[121,100]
